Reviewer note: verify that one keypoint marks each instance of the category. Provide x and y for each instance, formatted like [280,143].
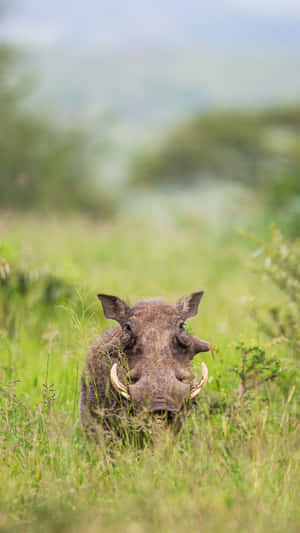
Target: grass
[235,464]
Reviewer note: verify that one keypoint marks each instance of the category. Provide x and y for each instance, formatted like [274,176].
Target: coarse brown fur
[153,352]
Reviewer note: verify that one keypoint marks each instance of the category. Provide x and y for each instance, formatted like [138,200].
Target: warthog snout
[159,392]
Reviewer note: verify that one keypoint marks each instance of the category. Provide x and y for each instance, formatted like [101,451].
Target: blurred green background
[150,149]
[110,111]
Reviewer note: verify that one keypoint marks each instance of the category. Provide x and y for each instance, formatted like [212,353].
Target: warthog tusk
[116,383]
[198,386]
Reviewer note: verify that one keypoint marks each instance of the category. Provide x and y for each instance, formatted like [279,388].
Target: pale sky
[271,7]
[115,23]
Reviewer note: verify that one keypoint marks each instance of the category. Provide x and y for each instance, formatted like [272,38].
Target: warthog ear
[188,306]
[114,307]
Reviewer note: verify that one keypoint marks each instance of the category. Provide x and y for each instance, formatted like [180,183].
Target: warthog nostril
[164,413]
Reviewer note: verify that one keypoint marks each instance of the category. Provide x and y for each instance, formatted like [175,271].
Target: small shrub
[254,368]
[21,288]
[282,266]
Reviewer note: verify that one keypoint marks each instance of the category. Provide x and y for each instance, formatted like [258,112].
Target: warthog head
[158,353]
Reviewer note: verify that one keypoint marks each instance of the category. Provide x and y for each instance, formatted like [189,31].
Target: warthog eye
[182,337]
[128,329]
[129,336]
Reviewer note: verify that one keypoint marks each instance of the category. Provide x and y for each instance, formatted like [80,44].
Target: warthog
[143,364]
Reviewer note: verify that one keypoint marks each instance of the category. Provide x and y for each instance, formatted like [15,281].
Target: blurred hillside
[132,103]
[43,166]
[244,146]
[148,65]
[149,87]
[256,149]
[141,93]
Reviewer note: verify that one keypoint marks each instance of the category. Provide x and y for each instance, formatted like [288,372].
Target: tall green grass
[234,466]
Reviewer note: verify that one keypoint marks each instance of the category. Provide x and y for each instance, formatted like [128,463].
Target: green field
[233,467]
